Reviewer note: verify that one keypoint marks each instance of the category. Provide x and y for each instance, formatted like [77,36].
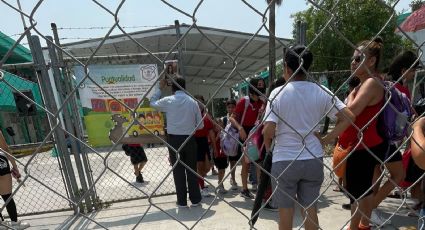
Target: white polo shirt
[301,105]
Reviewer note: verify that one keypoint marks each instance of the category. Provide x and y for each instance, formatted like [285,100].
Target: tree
[416,4]
[357,20]
[272,38]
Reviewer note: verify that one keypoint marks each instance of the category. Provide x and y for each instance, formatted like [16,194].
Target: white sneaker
[19,225]
[378,220]
[205,192]
[196,204]
[234,185]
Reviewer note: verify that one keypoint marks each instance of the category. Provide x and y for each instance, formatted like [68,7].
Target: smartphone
[168,79]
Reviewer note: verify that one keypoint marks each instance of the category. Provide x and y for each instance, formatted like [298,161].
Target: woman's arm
[212,136]
[237,125]
[344,119]
[269,131]
[418,143]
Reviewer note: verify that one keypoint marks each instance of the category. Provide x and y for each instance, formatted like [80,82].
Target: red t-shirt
[251,112]
[403,89]
[208,125]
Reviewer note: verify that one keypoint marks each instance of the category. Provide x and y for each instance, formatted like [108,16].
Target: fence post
[50,104]
[67,118]
[179,49]
[75,117]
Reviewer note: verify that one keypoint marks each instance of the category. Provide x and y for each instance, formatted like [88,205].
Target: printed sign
[105,117]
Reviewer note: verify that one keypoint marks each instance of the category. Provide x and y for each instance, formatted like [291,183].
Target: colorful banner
[128,84]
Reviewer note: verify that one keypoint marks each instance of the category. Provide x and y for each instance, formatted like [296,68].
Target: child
[138,159]
[220,159]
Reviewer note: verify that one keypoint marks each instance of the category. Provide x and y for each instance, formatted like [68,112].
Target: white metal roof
[203,62]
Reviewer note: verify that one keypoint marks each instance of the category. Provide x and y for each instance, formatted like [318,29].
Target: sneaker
[181,206]
[254,187]
[346,206]
[247,194]
[378,220]
[196,204]
[221,189]
[139,179]
[271,208]
[205,193]
[19,225]
[234,185]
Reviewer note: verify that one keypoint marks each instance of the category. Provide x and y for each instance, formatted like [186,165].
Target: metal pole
[303,34]
[47,93]
[67,118]
[57,42]
[298,34]
[179,49]
[75,117]
[28,33]
[22,17]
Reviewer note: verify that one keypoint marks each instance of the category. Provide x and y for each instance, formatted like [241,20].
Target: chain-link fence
[85,169]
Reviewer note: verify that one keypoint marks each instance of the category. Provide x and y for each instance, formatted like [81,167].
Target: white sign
[128,83]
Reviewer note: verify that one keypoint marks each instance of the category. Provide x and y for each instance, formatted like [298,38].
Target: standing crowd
[288,121]
[285,125]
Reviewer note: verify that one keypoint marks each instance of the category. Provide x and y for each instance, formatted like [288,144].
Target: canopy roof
[402,17]
[20,53]
[7,101]
[203,62]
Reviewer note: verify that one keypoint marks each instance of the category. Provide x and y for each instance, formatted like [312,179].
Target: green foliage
[357,20]
[279,70]
[416,4]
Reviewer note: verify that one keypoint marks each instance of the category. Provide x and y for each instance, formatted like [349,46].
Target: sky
[148,14]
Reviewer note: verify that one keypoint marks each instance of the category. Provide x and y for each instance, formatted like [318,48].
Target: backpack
[396,114]
[254,143]
[229,137]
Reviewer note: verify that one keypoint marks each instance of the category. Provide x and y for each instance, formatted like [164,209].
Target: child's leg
[136,169]
[221,173]
[141,165]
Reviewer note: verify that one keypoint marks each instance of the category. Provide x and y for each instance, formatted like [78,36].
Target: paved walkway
[125,215]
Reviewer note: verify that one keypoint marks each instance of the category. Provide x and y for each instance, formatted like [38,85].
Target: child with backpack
[243,120]
[138,159]
[230,108]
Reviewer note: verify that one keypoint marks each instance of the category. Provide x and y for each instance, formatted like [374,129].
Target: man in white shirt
[292,119]
[183,119]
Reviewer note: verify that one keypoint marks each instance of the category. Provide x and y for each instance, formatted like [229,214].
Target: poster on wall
[128,84]
[172,69]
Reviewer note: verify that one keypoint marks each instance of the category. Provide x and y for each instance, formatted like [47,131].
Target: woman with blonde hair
[362,140]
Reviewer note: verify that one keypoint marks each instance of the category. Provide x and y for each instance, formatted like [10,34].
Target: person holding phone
[6,175]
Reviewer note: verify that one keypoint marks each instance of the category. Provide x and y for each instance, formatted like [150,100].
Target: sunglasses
[357,59]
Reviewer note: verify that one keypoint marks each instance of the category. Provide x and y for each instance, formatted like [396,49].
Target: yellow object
[148,119]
